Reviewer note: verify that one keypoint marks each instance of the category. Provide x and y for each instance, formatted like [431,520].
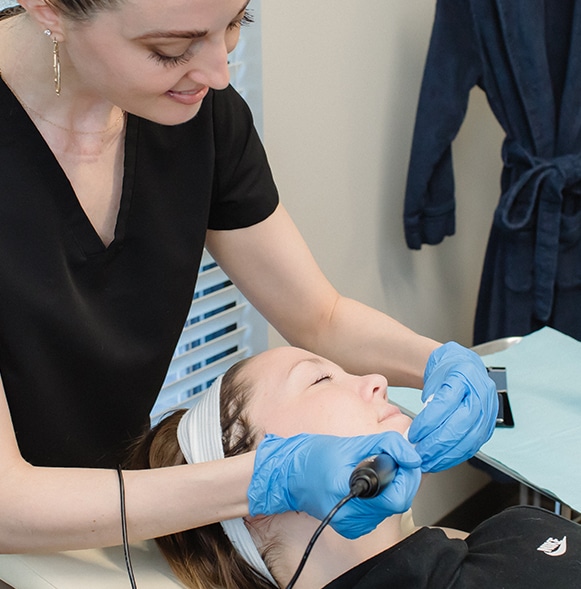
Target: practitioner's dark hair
[82,10]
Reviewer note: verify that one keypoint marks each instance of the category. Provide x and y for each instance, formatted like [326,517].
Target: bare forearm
[44,509]
[363,340]
[284,282]
[204,493]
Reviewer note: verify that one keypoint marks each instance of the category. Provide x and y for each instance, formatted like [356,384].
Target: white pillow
[102,568]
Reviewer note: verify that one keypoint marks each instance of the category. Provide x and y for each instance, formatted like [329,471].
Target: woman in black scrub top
[123,151]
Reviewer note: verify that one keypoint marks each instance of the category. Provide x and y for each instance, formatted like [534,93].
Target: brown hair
[204,558]
[10,11]
[79,10]
[82,10]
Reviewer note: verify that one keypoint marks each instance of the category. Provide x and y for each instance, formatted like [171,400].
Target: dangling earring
[56,63]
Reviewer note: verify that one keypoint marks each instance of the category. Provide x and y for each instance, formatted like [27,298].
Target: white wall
[341,82]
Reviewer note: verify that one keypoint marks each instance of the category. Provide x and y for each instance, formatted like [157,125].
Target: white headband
[200,440]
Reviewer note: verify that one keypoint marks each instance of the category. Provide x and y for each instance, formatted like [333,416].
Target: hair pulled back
[204,558]
[82,10]
[78,10]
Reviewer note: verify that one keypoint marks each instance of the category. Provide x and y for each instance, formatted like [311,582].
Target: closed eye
[170,60]
[244,19]
[323,378]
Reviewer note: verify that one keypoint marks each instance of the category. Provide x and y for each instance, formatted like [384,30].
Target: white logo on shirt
[554,547]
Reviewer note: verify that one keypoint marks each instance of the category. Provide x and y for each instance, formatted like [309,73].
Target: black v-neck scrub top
[87,331]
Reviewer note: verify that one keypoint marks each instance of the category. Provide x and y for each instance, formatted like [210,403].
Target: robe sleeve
[452,69]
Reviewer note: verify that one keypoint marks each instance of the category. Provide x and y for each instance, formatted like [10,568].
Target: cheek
[289,422]
[333,416]
[116,67]
[232,38]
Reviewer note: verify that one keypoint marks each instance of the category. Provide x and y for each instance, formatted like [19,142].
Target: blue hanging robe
[526,56]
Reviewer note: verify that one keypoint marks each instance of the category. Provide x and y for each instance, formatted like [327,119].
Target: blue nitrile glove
[461,414]
[310,473]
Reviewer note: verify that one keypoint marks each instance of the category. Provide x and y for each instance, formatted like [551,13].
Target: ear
[45,15]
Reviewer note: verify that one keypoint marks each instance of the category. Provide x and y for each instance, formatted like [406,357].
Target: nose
[211,65]
[372,385]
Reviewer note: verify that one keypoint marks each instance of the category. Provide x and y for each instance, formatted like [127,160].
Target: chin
[170,117]
[396,423]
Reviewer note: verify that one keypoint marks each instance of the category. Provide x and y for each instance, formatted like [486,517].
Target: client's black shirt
[522,547]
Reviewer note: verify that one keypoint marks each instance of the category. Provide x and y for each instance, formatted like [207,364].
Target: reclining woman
[286,391]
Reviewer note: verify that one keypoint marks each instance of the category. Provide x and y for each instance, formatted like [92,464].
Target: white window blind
[222,327]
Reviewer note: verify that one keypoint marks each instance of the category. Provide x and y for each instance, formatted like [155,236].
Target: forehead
[200,9]
[283,359]
[273,369]
[133,18]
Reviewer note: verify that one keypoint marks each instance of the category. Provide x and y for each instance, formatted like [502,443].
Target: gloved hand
[311,473]
[461,416]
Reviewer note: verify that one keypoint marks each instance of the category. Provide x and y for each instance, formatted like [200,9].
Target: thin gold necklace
[30,109]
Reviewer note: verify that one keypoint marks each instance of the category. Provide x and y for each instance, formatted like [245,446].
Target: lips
[188,97]
[388,411]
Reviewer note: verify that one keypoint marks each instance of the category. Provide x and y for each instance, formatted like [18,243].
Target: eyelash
[175,60]
[171,60]
[246,19]
[322,378]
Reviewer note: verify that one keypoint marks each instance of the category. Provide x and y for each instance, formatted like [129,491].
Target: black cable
[316,535]
[368,479]
[128,564]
